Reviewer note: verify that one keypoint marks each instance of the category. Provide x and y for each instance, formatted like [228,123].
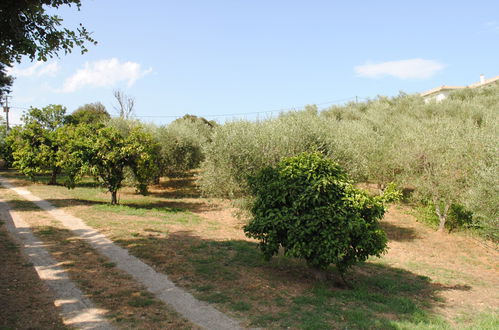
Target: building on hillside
[440,93]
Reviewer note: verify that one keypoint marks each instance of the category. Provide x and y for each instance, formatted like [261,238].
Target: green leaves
[28,30]
[36,144]
[307,205]
[105,153]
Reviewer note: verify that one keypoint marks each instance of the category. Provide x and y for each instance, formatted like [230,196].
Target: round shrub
[307,205]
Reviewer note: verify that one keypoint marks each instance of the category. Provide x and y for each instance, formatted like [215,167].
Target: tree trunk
[157,179]
[53,178]
[442,214]
[114,197]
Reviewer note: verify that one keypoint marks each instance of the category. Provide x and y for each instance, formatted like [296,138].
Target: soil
[25,301]
[459,260]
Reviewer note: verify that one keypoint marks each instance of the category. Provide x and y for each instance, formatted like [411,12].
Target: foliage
[5,147]
[459,217]
[241,148]
[106,154]
[26,29]
[445,152]
[181,143]
[35,145]
[200,121]
[92,113]
[392,193]
[6,81]
[307,205]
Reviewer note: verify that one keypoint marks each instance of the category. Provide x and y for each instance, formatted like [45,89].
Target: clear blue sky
[211,58]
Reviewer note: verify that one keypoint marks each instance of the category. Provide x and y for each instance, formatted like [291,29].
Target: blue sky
[240,57]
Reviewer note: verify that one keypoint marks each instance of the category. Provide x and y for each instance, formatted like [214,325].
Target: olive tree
[441,164]
[182,143]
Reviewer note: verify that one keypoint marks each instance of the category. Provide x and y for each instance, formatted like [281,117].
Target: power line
[257,112]
[356,98]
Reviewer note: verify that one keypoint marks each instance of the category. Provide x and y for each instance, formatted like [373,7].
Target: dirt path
[197,312]
[76,310]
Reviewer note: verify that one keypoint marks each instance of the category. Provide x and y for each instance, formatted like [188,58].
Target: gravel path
[196,311]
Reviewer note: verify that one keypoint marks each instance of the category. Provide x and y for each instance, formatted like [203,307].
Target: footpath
[78,310]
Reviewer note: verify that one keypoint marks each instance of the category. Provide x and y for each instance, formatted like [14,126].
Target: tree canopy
[35,145]
[26,29]
[307,205]
[92,113]
[106,154]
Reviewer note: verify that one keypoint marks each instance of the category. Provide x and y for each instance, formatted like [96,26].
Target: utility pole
[6,110]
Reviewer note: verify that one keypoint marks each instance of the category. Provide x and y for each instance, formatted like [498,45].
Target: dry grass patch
[129,305]
[25,301]
[424,281]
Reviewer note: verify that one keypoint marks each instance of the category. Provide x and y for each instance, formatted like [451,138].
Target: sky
[227,60]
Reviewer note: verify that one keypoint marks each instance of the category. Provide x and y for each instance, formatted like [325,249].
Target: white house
[440,93]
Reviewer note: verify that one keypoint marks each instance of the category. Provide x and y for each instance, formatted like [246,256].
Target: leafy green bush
[307,205]
[459,217]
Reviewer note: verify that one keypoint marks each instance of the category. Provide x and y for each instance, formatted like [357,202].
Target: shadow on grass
[178,187]
[400,234]
[284,292]
[22,180]
[173,189]
[132,207]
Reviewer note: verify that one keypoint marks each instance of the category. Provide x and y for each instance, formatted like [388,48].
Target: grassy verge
[408,288]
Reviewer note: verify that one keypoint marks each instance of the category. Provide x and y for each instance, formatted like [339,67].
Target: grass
[213,260]
[108,287]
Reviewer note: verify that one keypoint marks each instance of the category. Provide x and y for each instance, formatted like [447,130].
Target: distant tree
[125,106]
[196,119]
[182,143]
[35,145]
[106,154]
[92,113]
[27,30]
[307,205]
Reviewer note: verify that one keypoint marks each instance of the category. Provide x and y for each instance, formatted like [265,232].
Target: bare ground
[25,301]
[457,259]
